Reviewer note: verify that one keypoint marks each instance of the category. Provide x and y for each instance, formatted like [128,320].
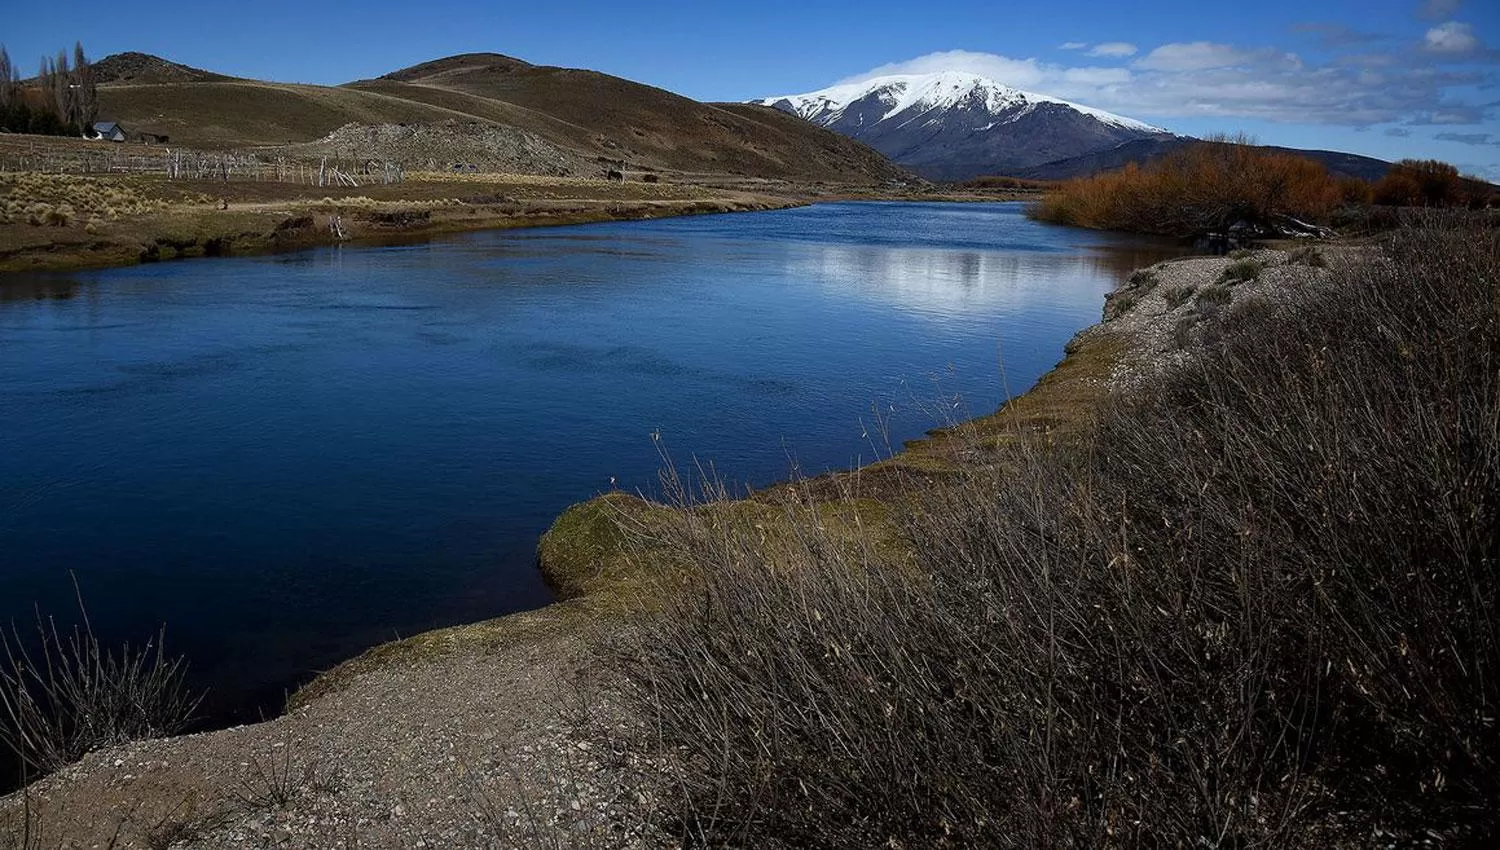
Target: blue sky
[1388,78]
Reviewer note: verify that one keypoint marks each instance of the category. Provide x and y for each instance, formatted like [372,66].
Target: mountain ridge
[956,125]
[1143,151]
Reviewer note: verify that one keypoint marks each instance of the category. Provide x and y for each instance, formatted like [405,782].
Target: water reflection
[33,287]
[961,284]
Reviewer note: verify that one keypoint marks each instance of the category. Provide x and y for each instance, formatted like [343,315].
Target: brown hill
[134,67]
[597,117]
[245,113]
[639,124]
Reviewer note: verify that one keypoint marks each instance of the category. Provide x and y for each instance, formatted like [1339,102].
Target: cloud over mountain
[1348,84]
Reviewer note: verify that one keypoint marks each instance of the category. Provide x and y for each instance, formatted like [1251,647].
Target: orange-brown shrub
[1204,187]
[1356,191]
[1001,182]
[1421,183]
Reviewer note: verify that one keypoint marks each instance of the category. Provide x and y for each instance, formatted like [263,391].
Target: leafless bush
[275,781]
[1258,608]
[65,695]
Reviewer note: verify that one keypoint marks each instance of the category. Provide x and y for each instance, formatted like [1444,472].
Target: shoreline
[301,231]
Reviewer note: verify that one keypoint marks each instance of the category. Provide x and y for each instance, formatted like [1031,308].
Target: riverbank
[62,222]
[455,736]
[59,223]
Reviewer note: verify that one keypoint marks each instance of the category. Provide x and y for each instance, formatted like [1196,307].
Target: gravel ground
[476,746]
[1165,309]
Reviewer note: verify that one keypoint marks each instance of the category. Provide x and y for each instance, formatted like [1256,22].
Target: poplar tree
[85,90]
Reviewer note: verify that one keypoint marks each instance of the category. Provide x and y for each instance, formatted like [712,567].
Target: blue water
[290,458]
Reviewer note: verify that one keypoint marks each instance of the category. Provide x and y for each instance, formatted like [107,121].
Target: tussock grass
[1242,271]
[1255,606]
[1176,296]
[59,200]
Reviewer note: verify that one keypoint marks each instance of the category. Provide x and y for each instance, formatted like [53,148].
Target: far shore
[64,223]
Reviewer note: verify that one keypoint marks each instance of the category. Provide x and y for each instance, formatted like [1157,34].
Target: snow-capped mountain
[956,125]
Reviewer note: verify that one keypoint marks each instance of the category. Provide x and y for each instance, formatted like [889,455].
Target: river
[289,458]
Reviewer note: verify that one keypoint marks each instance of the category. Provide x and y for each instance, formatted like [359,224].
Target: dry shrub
[64,694]
[1201,188]
[1421,183]
[1356,191]
[1257,609]
[1012,183]
[1307,256]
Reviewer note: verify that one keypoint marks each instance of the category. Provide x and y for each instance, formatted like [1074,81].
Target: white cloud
[1451,38]
[1197,56]
[1206,79]
[1093,76]
[1020,73]
[1114,48]
[1073,45]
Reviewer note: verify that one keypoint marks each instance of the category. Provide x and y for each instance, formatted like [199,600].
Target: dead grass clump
[1144,280]
[1176,296]
[275,781]
[1307,256]
[1214,295]
[64,694]
[1259,608]
[1242,271]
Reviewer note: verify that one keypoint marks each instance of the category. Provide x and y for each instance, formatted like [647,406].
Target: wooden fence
[186,164]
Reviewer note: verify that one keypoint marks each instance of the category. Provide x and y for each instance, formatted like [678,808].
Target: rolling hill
[593,117]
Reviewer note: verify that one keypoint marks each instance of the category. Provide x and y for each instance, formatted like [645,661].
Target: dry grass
[61,199]
[1257,607]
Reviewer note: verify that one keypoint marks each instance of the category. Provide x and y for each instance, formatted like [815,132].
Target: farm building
[108,131]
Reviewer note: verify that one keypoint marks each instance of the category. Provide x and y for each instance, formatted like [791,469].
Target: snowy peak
[956,124]
[923,93]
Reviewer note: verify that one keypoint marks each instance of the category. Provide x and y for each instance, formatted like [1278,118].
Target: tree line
[62,100]
[1218,182]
